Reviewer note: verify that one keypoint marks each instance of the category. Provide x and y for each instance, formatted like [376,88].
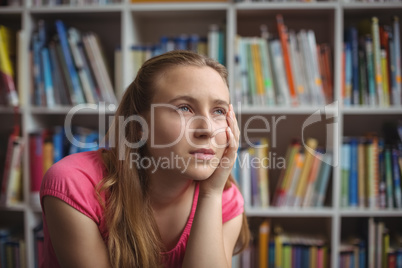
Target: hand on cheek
[215,183]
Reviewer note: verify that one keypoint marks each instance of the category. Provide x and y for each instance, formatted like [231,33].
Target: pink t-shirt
[74,179]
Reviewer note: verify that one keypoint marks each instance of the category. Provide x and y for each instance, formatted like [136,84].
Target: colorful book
[345,170]
[6,69]
[264,232]
[397,54]
[377,60]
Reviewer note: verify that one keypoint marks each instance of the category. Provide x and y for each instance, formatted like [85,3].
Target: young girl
[161,195]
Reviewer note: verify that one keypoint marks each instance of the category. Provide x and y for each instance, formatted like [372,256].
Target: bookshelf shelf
[371,6]
[293,5]
[198,6]
[250,110]
[126,24]
[371,110]
[77,9]
[82,109]
[370,213]
[289,212]
[15,207]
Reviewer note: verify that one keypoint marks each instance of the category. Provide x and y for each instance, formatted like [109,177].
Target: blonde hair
[133,236]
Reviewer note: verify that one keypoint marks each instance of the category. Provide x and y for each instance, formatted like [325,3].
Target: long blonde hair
[133,236]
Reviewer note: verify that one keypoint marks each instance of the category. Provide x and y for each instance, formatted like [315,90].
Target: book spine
[388,173]
[353,176]
[47,75]
[324,175]
[267,74]
[397,55]
[78,96]
[384,69]
[347,100]
[283,36]
[345,169]
[6,70]
[263,244]
[377,60]
[397,178]
[370,70]
[361,174]
[352,32]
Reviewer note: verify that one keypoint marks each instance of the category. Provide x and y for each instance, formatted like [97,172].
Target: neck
[166,191]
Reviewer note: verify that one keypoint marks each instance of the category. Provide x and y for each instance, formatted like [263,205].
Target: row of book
[371,173]
[11,192]
[12,249]
[289,70]
[212,45]
[381,249]
[48,146]
[286,250]
[372,64]
[8,92]
[68,67]
[304,179]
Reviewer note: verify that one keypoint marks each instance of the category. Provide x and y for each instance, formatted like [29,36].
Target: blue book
[47,75]
[352,37]
[4,235]
[362,254]
[323,178]
[298,263]
[38,81]
[399,258]
[77,97]
[58,144]
[397,178]
[353,175]
[271,254]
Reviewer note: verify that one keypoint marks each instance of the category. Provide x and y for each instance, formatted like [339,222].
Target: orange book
[283,35]
[263,244]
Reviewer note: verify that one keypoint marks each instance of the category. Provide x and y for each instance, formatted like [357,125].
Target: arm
[211,243]
[75,237]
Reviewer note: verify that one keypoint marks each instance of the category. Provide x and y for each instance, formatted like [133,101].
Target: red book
[391,260]
[35,164]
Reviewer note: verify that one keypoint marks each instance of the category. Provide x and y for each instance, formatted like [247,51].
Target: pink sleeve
[74,180]
[232,203]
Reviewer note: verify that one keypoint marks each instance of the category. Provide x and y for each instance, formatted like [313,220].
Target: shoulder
[232,203]
[74,179]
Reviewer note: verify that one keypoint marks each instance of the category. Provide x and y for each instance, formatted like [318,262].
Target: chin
[199,173]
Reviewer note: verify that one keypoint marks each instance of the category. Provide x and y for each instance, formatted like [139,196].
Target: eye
[184,108]
[220,111]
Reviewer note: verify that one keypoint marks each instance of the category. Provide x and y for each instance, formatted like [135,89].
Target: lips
[204,154]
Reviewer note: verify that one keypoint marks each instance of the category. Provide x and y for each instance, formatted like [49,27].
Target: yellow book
[6,67]
[384,69]
[263,244]
[308,161]
[313,256]
[278,247]
[255,52]
[288,174]
[47,155]
[385,249]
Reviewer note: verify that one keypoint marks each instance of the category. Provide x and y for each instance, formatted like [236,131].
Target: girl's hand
[216,182]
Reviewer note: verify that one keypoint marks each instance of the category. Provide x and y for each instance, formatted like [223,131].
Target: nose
[202,126]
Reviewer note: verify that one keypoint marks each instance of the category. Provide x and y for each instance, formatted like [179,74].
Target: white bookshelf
[126,24]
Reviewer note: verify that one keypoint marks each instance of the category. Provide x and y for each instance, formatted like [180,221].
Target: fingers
[232,123]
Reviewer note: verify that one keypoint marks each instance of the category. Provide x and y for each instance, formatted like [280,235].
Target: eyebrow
[192,99]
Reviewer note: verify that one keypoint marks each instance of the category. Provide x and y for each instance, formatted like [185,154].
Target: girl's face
[187,122]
